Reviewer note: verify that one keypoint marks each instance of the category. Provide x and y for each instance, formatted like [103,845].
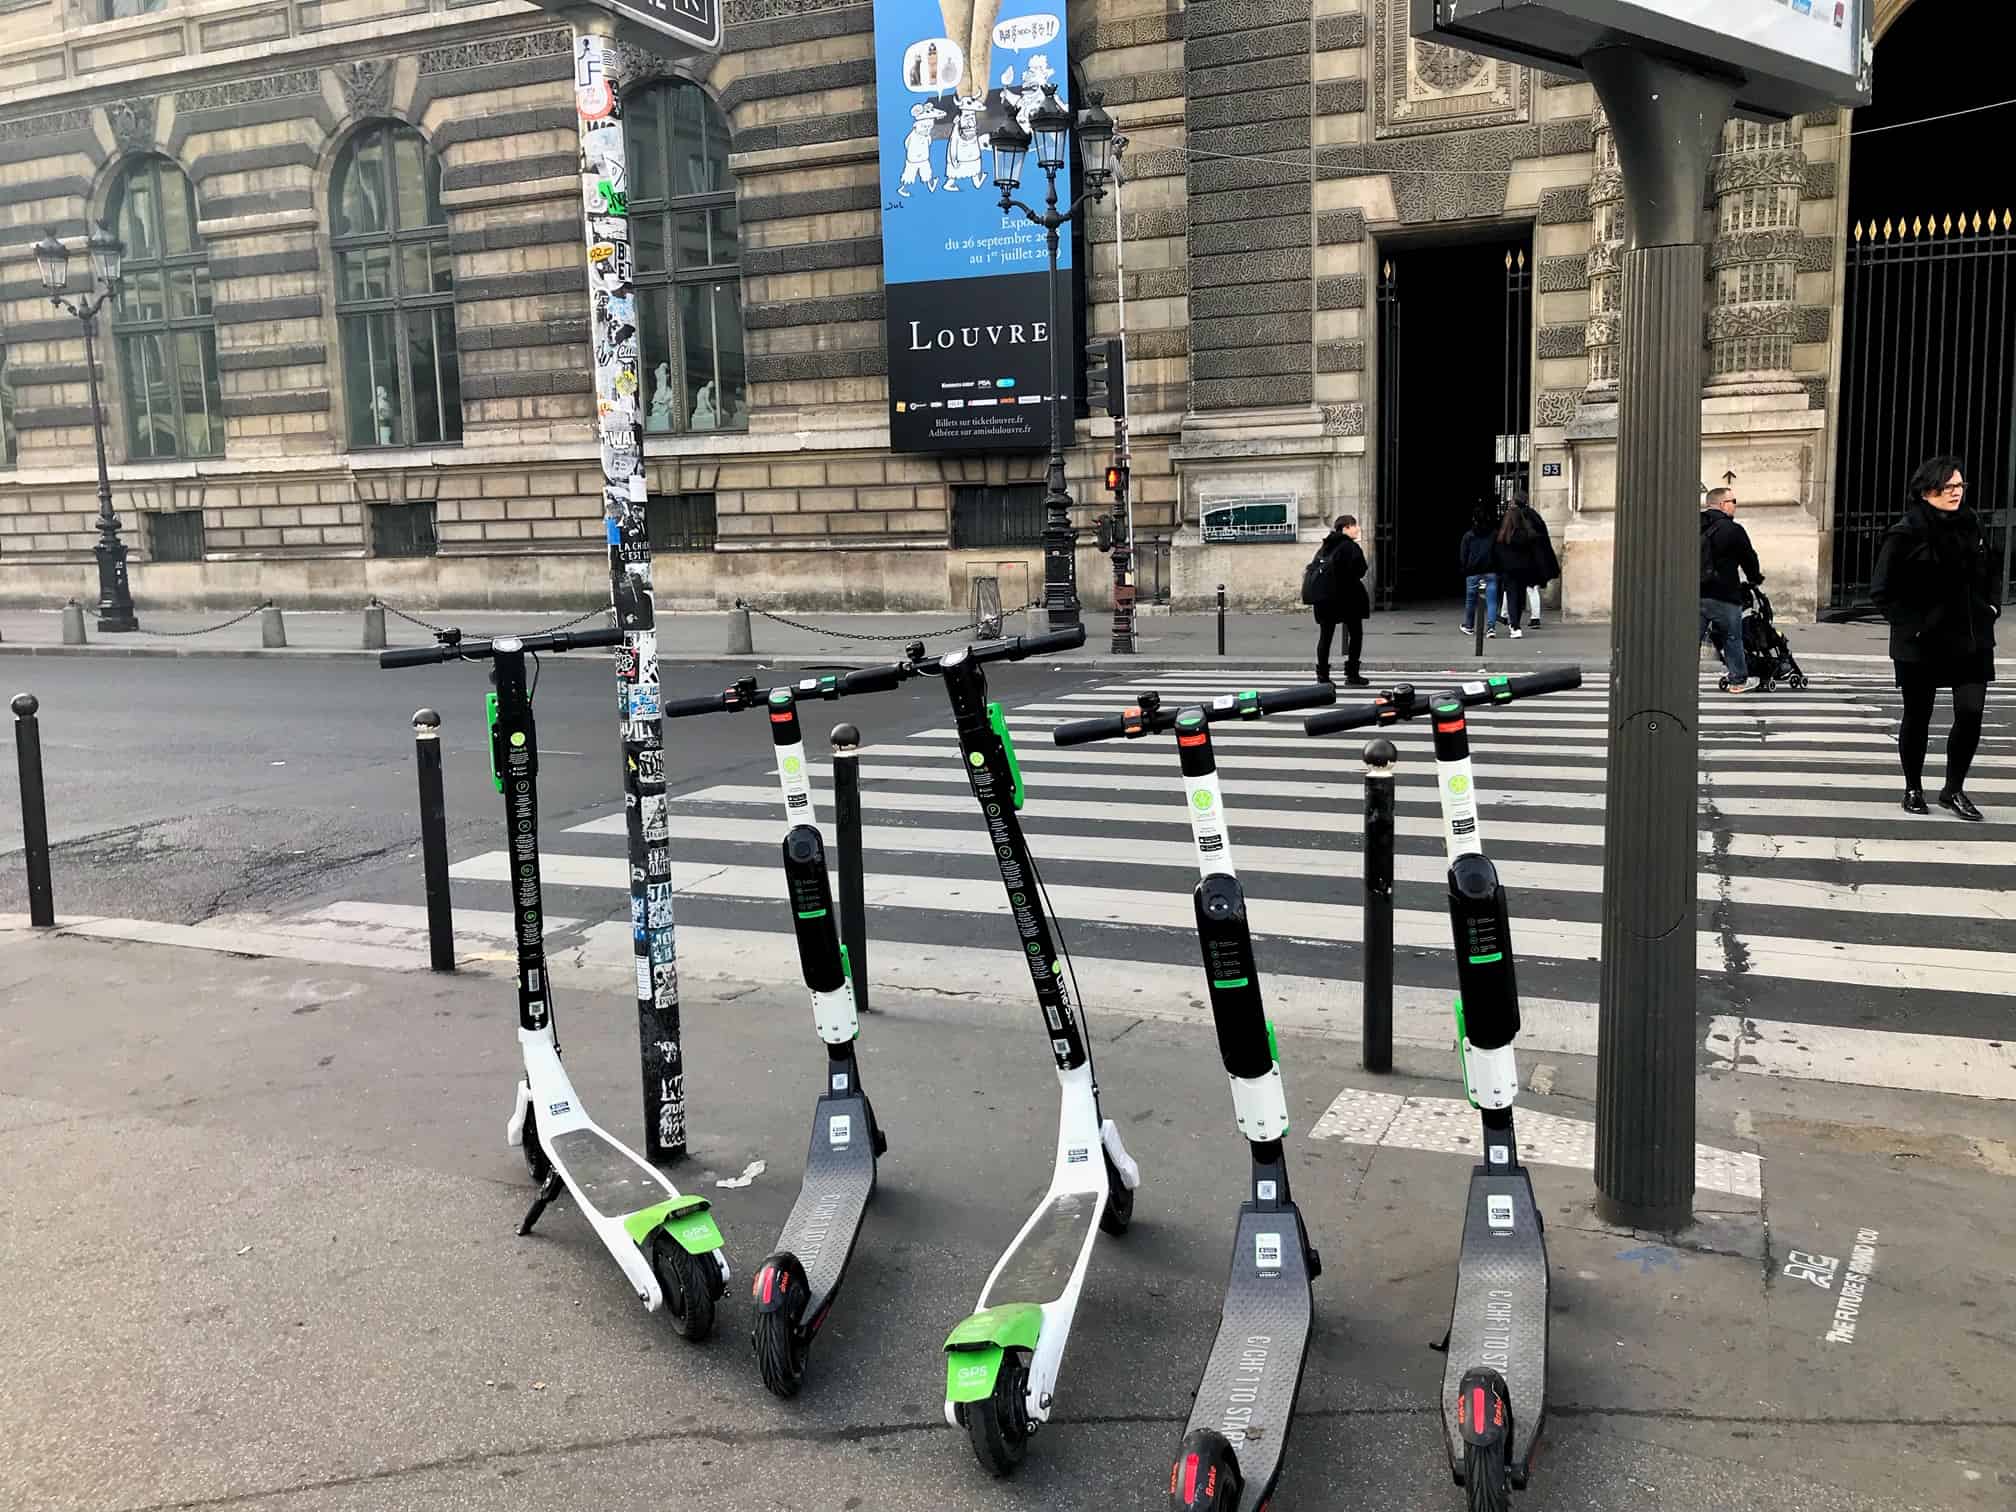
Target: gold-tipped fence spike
[1858,231]
[1886,228]
[1917,226]
[1946,226]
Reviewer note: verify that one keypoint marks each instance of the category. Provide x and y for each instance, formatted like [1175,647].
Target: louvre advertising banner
[966,284]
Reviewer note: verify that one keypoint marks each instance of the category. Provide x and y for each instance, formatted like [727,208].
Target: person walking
[1548,564]
[1475,555]
[1726,548]
[1934,584]
[1519,562]
[1334,587]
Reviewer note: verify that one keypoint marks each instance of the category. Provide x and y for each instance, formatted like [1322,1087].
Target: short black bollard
[434,840]
[847,841]
[34,815]
[1380,760]
[1221,619]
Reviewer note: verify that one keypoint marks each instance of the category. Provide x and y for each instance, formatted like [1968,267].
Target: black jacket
[1524,558]
[1935,585]
[1478,552]
[1549,564]
[1726,547]
[1344,595]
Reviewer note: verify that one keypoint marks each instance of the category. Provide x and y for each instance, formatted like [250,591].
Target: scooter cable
[1070,966]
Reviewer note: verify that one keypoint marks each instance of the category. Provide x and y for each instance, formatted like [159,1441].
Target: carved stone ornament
[555,42]
[636,65]
[1347,419]
[366,85]
[1421,87]
[132,122]
[242,92]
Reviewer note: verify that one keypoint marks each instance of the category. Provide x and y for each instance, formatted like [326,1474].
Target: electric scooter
[664,1241]
[1494,1377]
[1236,1440]
[1002,1362]
[795,1286]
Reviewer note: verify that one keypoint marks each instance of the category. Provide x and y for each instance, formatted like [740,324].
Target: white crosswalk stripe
[1838,939]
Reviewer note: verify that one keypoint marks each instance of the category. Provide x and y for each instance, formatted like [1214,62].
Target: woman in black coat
[1519,561]
[1935,585]
[1342,599]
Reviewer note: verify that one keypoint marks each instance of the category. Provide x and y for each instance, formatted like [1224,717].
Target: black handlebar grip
[1553,680]
[1085,731]
[874,679]
[581,640]
[1343,717]
[1308,696]
[413,656]
[683,708]
[1043,645]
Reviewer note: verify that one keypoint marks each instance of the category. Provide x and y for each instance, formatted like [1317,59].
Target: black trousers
[1914,730]
[1354,643]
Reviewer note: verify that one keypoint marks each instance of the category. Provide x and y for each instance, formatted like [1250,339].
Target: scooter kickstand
[547,1192]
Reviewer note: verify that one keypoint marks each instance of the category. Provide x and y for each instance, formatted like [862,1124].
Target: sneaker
[1492,633]
[1735,688]
[1533,623]
[1517,633]
[1469,629]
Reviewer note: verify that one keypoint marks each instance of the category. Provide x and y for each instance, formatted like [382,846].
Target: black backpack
[1316,577]
[1708,556]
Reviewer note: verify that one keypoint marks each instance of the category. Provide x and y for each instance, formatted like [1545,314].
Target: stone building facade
[1276,149]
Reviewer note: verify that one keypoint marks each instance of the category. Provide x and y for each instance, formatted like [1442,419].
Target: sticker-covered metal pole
[1221,619]
[847,837]
[434,839]
[605,196]
[1380,760]
[34,815]
[1668,123]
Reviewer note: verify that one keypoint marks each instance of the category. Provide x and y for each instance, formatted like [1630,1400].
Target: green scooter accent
[974,1350]
[490,709]
[997,721]
[685,1218]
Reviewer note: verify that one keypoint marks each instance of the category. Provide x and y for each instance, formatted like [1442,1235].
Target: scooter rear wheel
[999,1424]
[1119,1202]
[689,1287]
[780,1353]
[1205,1477]
[1485,1479]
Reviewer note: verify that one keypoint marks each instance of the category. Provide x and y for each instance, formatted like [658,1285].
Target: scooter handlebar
[882,679]
[1043,645]
[1308,696]
[1553,680]
[1141,720]
[1407,702]
[478,650]
[1085,731]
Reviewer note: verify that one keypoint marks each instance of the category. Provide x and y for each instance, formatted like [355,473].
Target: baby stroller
[1764,646]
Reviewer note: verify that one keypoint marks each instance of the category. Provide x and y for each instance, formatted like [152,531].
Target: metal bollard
[741,640]
[73,623]
[847,842]
[272,629]
[434,839]
[1480,626]
[1380,760]
[374,626]
[34,815]
[1221,619]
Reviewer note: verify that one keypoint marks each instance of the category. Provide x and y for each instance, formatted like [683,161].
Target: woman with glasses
[1933,583]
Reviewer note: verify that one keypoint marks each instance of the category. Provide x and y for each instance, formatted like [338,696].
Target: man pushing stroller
[1726,549]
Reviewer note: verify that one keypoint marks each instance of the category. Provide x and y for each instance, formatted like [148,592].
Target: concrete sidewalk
[1410,637]
[262,1254]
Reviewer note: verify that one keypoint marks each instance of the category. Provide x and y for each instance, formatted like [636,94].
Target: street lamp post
[115,593]
[1054,127]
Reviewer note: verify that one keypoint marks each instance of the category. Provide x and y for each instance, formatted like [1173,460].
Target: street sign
[689,25]
[1786,55]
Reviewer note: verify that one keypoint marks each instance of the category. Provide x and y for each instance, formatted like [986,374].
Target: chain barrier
[434,629]
[904,635]
[207,629]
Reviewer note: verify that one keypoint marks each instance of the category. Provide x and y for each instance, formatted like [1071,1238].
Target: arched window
[395,291]
[161,320]
[687,255]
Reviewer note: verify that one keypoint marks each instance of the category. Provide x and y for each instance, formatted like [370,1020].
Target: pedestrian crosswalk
[1838,938]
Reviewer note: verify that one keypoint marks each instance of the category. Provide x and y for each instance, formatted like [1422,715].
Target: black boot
[1957,802]
[1914,801]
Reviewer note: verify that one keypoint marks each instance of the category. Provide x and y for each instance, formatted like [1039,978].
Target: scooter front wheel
[689,1287]
[780,1353]
[1119,1211]
[1484,1478]
[998,1424]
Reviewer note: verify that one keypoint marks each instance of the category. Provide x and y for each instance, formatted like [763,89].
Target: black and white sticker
[1498,1211]
[1264,1190]
[839,1081]
[1077,1155]
[1267,1252]
[1500,1155]
[840,1130]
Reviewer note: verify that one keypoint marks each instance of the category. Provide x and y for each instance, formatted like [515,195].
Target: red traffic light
[1116,479]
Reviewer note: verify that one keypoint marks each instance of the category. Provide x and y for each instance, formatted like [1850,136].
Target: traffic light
[1106,376]
[1116,478]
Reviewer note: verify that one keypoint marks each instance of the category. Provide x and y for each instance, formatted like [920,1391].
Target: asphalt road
[180,789]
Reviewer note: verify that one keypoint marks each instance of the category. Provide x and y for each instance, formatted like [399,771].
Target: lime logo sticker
[977,759]
[793,766]
[1459,784]
[1201,800]
[517,737]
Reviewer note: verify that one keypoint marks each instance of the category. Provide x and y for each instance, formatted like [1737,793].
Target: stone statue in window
[705,417]
[660,418]
[381,411]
